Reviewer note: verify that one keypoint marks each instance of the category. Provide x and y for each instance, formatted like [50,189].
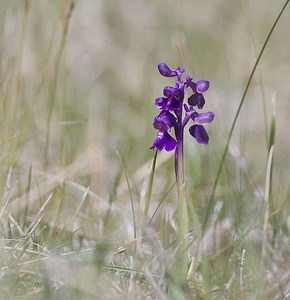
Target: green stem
[182,206]
[181,190]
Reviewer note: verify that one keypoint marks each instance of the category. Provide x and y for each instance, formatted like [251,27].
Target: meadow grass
[87,210]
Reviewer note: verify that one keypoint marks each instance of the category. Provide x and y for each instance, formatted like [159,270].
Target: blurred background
[96,91]
[105,77]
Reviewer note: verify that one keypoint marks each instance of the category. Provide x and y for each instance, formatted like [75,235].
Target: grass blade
[267,203]
[211,198]
[150,185]
[130,193]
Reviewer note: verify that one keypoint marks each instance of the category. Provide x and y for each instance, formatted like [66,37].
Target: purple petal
[202,86]
[174,94]
[179,91]
[161,102]
[164,121]
[204,118]
[165,70]
[173,104]
[196,99]
[199,133]
[169,142]
[190,83]
[168,91]
[164,140]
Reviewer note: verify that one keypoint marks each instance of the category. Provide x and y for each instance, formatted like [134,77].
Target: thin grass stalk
[18,74]
[82,201]
[113,196]
[160,203]
[271,144]
[267,205]
[61,48]
[242,266]
[27,191]
[21,48]
[36,220]
[211,198]
[116,183]
[150,185]
[131,195]
[272,131]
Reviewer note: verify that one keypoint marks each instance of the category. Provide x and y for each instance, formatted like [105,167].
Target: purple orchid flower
[164,141]
[171,115]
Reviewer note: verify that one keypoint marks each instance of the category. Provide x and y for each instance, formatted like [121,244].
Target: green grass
[87,211]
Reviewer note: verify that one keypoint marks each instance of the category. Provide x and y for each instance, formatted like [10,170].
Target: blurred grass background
[78,81]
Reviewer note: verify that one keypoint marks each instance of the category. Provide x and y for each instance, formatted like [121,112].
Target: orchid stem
[182,204]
